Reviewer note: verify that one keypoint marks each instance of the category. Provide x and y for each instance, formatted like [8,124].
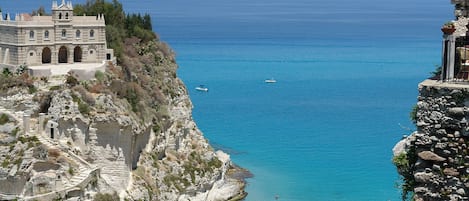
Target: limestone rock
[399,147]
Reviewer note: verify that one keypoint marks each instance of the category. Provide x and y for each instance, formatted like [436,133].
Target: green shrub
[100,76]
[72,80]
[6,72]
[405,163]
[23,139]
[44,79]
[5,163]
[32,89]
[22,69]
[75,98]
[215,163]
[71,171]
[15,131]
[401,160]
[83,108]
[54,88]
[132,98]
[4,119]
[18,161]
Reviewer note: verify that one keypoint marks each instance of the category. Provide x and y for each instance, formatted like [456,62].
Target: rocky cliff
[434,160]
[127,133]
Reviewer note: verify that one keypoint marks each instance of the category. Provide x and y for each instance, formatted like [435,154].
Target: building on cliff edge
[61,38]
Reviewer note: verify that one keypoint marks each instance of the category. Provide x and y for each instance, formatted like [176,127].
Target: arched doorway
[46,55]
[77,54]
[63,55]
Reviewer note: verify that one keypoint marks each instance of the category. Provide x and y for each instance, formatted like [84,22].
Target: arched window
[78,34]
[46,34]
[66,16]
[64,33]
[31,35]
[92,33]
[60,16]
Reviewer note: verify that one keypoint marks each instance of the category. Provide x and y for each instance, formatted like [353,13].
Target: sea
[347,74]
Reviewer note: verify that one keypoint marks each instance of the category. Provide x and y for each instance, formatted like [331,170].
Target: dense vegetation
[118,25]
[20,78]
[146,71]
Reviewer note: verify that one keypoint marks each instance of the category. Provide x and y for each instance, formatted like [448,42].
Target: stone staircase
[84,168]
[83,174]
[116,174]
[81,177]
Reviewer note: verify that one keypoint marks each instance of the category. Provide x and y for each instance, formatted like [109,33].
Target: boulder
[423,177]
[456,111]
[451,172]
[430,156]
[399,147]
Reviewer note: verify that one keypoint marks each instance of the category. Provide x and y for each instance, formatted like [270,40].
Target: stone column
[448,55]
[451,55]
[26,118]
[42,117]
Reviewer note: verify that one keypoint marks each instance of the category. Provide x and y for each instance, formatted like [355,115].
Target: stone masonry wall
[437,153]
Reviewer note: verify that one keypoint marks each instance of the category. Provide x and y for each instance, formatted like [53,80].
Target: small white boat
[202,88]
[272,80]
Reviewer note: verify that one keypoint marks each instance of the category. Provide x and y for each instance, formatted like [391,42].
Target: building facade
[57,39]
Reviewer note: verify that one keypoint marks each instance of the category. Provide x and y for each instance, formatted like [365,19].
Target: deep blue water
[347,75]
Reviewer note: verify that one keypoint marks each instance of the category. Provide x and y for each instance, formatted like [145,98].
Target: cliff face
[434,160]
[129,132]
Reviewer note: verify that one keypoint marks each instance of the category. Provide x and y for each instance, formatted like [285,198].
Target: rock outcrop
[127,133]
[434,160]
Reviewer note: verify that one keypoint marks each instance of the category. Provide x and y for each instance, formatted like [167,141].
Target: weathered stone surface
[112,149]
[456,111]
[399,147]
[451,172]
[423,177]
[430,156]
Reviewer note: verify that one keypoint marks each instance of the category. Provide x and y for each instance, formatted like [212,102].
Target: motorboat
[201,88]
[271,80]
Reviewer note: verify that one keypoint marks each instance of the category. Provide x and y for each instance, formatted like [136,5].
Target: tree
[40,11]
[147,22]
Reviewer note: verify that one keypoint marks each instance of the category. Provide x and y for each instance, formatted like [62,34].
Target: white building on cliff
[61,38]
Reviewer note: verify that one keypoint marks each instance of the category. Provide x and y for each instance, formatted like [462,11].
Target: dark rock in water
[239,173]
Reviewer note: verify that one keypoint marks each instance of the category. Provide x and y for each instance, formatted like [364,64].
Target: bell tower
[62,12]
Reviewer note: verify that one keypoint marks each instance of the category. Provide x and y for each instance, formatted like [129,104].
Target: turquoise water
[347,77]
[346,82]
[324,131]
